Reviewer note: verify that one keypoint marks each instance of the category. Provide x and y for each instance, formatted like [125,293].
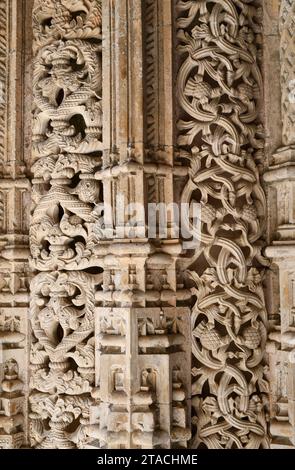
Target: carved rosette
[66,218]
[220,135]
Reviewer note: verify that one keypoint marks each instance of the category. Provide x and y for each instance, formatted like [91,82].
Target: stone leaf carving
[220,92]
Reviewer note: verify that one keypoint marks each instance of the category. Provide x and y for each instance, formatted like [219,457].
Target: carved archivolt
[220,93]
[67,133]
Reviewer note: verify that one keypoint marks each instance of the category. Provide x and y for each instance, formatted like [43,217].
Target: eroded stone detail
[110,355]
[142,388]
[220,93]
[12,401]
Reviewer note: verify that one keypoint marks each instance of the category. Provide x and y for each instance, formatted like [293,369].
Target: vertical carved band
[287,51]
[65,221]
[220,133]
[3,60]
[280,184]
[14,187]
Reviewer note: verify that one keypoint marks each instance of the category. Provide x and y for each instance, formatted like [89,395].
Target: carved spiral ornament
[220,134]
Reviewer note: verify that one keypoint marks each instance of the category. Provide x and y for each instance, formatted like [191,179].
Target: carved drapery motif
[220,134]
[66,218]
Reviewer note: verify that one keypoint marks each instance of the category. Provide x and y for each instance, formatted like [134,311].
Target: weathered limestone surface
[65,222]
[113,335]
[14,223]
[279,179]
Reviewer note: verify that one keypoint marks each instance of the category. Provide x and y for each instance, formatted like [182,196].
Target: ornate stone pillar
[65,223]
[281,186]
[220,134]
[141,333]
[14,205]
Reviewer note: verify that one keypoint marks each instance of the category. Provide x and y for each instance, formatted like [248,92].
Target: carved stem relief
[221,136]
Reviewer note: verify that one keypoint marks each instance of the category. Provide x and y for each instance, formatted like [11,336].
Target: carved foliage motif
[67,133]
[67,205]
[219,89]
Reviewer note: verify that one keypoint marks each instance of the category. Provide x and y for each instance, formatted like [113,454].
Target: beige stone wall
[15,122]
[280,108]
[111,110]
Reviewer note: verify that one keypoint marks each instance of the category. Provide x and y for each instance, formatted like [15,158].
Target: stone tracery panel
[220,133]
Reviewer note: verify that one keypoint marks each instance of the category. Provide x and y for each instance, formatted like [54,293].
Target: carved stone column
[65,223]
[141,333]
[14,206]
[221,136]
[280,179]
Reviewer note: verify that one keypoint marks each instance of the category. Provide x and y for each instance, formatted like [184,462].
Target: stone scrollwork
[66,18]
[220,134]
[66,220]
[67,134]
